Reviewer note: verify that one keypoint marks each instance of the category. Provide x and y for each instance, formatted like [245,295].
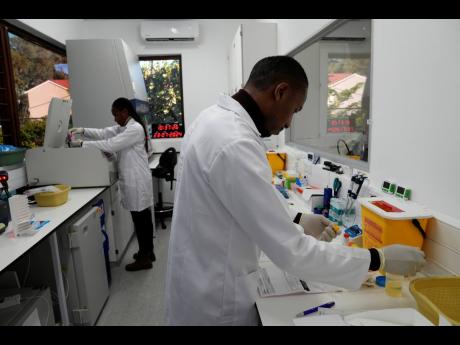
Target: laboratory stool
[164,170]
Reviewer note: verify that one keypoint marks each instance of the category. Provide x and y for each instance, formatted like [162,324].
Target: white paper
[383,317]
[322,320]
[272,281]
[443,321]
[388,317]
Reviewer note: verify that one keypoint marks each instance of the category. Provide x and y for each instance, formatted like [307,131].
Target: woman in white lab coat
[129,141]
[226,211]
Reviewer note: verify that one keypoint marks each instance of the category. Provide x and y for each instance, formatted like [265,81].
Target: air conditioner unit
[161,30]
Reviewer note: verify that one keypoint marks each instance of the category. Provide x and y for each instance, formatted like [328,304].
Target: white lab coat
[133,169]
[225,212]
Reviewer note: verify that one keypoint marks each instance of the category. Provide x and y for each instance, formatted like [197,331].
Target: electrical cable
[348,149]
[28,298]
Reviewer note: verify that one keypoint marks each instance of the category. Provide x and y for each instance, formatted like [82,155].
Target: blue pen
[315,309]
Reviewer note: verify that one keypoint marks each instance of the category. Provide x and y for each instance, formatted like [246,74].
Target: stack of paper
[273,281]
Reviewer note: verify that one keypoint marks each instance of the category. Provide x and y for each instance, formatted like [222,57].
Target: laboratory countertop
[12,248]
[280,311]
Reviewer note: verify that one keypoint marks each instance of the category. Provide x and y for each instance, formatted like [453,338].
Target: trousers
[144,230]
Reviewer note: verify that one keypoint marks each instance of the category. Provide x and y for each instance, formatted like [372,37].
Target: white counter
[280,311]
[13,248]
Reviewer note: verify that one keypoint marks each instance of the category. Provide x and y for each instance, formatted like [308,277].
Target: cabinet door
[109,224]
[88,258]
[122,223]
[236,63]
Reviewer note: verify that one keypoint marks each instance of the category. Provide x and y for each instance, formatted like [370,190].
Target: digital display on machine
[400,190]
[386,184]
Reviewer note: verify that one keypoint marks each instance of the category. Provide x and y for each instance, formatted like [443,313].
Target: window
[163,81]
[334,121]
[39,73]
[346,80]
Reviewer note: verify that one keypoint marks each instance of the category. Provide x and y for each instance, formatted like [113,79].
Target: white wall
[58,29]
[294,32]
[415,109]
[204,62]
[291,34]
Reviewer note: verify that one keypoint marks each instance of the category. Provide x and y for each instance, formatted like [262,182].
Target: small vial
[346,239]
[393,285]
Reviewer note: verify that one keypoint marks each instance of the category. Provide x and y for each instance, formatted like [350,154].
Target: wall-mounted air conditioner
[167,30]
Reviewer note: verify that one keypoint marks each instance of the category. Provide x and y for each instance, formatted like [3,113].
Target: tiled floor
[137,298]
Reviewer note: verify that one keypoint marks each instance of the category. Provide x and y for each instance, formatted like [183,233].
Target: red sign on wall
[167,130]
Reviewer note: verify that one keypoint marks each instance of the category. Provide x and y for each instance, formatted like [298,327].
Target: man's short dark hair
[274,69]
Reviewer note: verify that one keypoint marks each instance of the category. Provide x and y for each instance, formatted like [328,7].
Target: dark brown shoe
[139,264]
[151,256]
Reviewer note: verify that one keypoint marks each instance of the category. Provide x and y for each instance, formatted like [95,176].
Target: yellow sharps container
[277,161]
[388,221]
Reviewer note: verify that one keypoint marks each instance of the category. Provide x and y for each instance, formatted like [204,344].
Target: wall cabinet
[252,42]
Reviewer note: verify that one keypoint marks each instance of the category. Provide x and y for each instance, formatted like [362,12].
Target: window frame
[357,164]
[25,32]
[151,57]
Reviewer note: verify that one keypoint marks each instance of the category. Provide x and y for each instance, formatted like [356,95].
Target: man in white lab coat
[226,210]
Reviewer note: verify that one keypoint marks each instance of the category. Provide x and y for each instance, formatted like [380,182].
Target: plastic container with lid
[388,221]
[277,161]
[393,284]
[336,210]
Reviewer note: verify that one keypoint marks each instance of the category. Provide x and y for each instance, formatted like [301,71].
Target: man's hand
[75,143]
[401,259]
[76,130]
[317,226]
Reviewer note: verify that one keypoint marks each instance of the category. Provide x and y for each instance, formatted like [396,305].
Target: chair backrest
[168,160]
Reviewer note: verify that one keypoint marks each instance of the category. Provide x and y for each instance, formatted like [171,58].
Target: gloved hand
[318,226]
[76,130]
[401,259]
[75,143]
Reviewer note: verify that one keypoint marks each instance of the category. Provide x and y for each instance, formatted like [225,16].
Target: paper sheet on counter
[273,281]
[382,317]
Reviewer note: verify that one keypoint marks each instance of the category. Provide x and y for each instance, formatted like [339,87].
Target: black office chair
[165,169]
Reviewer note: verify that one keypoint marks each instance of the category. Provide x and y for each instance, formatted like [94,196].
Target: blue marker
[315,309]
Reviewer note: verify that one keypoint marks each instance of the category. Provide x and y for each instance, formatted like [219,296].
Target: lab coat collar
[130,119]
[229,103]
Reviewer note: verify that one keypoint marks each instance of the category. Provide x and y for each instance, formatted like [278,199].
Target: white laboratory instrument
[56,164]
[100,71]
[80,167]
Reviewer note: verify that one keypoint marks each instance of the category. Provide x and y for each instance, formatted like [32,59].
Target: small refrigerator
[84,268]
